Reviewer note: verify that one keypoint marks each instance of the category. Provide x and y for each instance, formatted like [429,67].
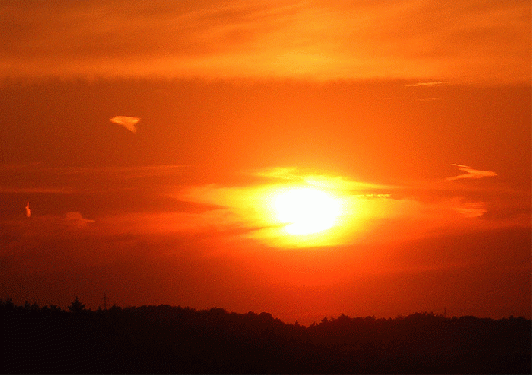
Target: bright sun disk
[306,210]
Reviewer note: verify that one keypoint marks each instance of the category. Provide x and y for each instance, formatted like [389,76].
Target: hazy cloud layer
[163,199]
[470,40]
[54,191]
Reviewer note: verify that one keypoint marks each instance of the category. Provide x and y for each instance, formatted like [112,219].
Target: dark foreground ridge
[166,339]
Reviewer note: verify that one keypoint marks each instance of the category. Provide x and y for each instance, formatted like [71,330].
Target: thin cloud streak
[471,173]
[472,209]
[431,83]
[76,219]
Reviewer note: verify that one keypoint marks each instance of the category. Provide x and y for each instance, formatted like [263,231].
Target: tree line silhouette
[169,339]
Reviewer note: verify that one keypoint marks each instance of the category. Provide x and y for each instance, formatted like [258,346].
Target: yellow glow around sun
[306,210]
[296,211]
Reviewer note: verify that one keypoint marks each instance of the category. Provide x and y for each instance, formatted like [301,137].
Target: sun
[306,211]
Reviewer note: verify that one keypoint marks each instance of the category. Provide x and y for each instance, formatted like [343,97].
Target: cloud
[76,219]
[472,40]
[127,122]
[429,83]
[472,209]
[309,177]
[470,173]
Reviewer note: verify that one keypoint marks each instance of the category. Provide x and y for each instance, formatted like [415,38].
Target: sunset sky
[303,158]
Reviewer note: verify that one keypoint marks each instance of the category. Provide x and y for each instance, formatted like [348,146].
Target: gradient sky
[150,139]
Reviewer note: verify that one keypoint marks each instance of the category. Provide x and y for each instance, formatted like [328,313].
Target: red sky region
[153,147]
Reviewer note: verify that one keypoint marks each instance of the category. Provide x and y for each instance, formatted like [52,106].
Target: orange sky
[150,140]
[469,41]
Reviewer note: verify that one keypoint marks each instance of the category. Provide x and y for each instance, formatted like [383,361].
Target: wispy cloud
[472,40]
[77,220]
[430,83]
[472,209]
[34,190]
[470,173]
[127,122]
[295,175]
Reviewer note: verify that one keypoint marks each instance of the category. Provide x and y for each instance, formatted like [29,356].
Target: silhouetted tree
[166,339]
[76,306]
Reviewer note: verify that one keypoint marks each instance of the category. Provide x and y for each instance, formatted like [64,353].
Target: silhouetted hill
[166,339]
